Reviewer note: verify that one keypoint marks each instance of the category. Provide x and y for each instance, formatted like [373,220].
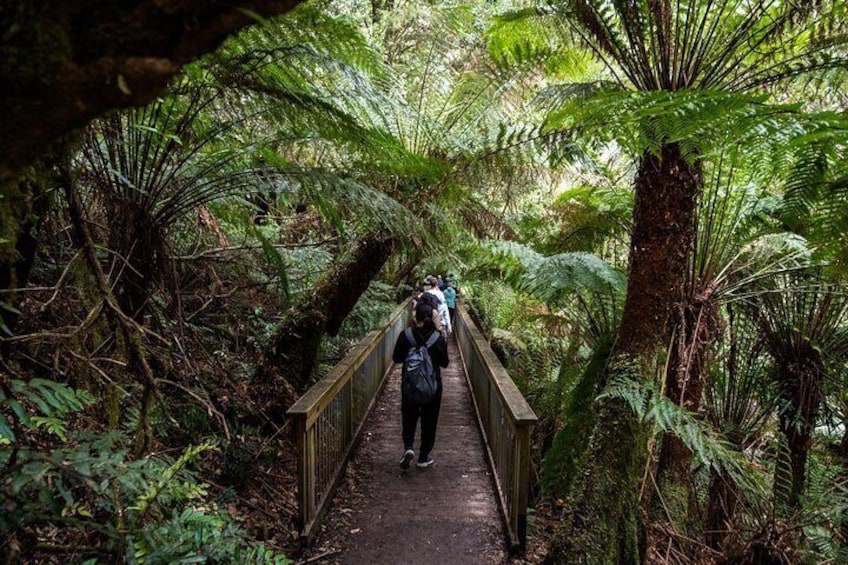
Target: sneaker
[408,455]
[425,462]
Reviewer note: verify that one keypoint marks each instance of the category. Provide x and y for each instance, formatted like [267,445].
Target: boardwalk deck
[443,514]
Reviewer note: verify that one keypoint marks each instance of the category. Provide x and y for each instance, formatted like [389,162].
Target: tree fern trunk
[721,507]
[601,522]
[671,500]
[843,522]
[661,244]
[801,394]
[137,242]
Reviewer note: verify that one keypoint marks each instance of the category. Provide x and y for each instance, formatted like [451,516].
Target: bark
[139,248]
[67,61]
[721,507]
[16,266]
[673,496]
[661,244]
[601,522]
[23,204]
[843,522]
[801,395]
[327,307]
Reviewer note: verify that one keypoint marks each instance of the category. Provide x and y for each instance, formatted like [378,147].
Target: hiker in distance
[422,350]
[431,286]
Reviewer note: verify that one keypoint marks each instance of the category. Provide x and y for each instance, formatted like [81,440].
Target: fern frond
[554,277]
[652,407]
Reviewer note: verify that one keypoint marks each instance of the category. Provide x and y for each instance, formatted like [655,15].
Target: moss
[14,209]
[601,522]
[34,42]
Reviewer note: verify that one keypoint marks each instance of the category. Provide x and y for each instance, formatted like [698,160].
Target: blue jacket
[450,297]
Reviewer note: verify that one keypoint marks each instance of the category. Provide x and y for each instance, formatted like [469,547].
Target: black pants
[452,314]
[429,414]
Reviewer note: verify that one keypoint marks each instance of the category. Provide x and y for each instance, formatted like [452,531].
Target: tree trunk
[67,62]
[801,395]
[139,250]
[327,306]
[19,256]
[23,204]
[843,522]
[673,496]
[721,507]
[601,522]
[661,244]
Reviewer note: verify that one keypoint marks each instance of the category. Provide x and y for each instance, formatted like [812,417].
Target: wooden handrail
[506,421]
[328,418]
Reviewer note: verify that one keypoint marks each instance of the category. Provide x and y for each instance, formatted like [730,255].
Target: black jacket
[438,351]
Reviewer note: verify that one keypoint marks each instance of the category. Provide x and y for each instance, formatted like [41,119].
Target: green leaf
[5,431]
[19,411]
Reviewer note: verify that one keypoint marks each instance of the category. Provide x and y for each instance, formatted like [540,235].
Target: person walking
[426,298]
[450,300]
[431,285]
[422,334]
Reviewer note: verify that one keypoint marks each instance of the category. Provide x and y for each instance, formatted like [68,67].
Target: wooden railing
[506,421]
[329,417]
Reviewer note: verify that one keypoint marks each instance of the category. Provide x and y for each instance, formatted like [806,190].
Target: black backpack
[419,384]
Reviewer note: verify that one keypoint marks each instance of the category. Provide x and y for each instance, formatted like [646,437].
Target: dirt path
[443,514]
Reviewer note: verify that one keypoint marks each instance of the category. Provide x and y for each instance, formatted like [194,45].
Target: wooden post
[309,481]
[522,482]
[303,475]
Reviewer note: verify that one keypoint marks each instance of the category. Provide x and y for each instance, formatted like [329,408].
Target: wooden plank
[522,484]
[303,473]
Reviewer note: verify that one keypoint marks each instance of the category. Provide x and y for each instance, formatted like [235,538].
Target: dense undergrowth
[216,474]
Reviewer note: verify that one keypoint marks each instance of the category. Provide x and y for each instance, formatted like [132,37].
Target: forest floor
[446,513]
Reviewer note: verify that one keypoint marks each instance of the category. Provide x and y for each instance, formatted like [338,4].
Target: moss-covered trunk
[23,205]
[601,520]
[324,310]
[24,201]
[843,522]
[67,62]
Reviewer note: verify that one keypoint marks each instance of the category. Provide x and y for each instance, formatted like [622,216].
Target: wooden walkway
[445,514]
